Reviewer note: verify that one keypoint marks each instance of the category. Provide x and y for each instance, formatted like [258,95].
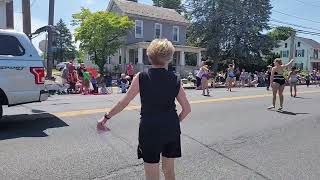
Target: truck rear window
[10,45]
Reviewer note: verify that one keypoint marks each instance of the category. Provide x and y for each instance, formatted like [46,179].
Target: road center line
[136,107]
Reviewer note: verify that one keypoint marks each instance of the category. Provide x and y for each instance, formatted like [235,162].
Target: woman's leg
[275,88]
[168,168]
[291,89]
[207,86]
[152,171]
[281,89]
[203,87]
[295,90]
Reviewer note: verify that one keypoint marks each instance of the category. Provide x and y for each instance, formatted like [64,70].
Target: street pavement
[230,135]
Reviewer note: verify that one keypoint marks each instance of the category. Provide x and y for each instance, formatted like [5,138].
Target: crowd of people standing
[233,77]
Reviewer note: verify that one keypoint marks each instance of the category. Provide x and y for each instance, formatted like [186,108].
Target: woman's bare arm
[123,103]
[289,64]
[185,105]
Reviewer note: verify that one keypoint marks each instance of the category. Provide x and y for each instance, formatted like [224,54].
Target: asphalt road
[227,136]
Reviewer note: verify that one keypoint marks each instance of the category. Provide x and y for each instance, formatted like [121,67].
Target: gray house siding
[149,29]
[116,9]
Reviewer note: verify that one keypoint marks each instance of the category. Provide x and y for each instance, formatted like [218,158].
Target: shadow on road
[32,125]
[298,97]
[291,113]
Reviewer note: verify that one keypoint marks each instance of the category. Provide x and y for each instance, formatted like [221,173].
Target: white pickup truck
[22,74]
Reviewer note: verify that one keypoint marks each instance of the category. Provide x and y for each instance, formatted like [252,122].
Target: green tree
[281,33]
[171,4]
[80,56]
[64,47]
[100,33]
[231,29]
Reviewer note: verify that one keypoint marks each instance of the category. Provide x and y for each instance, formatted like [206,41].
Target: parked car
[61,65]
[22,74]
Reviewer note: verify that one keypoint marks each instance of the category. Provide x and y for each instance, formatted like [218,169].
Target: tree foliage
[171,4]
[281,33]
[231,29]
[100,33]
[65,49]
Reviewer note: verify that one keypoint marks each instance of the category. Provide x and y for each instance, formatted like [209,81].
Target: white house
[6,14]
[306,52]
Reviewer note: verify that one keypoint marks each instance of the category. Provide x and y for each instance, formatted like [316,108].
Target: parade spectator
[199,76]
[204,80]
[231,76]
[123,83]
[65,74]
[94,85]
[268,75]
[293,80]
[72,80]
[238,73]
[243,77]
[308,79]
[255,79]
[107,78]
[130,71]
[86,81]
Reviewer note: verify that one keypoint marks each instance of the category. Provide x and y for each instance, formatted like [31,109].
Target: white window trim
[135,29]
[155,30]
[178,35]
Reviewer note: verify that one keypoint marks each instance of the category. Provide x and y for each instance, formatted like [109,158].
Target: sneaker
[271,107]
[280,109]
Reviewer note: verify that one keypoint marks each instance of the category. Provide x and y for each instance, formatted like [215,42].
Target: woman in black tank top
[159,130]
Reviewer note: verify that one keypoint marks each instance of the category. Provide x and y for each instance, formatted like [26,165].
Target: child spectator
[94,85]
[86,81]
[123,83]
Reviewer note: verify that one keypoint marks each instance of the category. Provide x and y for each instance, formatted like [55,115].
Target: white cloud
[35,24]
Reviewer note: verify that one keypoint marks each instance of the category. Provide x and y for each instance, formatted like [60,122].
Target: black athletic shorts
[150,151]
[159,135]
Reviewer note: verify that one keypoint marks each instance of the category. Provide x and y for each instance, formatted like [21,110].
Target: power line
[291,24]
[309,4]
[295,16]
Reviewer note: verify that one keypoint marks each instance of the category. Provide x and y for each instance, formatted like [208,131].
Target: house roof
[311,42]
[144,10]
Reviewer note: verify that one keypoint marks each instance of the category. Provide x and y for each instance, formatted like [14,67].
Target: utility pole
[9,12]
[292,48]
[26,17]
[50,39]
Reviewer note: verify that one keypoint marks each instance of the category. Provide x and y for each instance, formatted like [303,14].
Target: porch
[185,59]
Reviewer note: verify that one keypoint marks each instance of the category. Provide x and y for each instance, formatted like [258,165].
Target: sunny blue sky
[301,9]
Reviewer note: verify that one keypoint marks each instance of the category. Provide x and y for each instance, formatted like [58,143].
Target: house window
[285,45]
[299,44]
[300,53]
[284,54]
[139,29]
[157,30]
[316,54]
[176,33]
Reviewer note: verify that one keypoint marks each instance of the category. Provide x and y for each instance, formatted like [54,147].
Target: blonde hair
[160,52]
[278,60]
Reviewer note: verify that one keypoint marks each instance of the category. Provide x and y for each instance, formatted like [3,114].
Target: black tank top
[158,90]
